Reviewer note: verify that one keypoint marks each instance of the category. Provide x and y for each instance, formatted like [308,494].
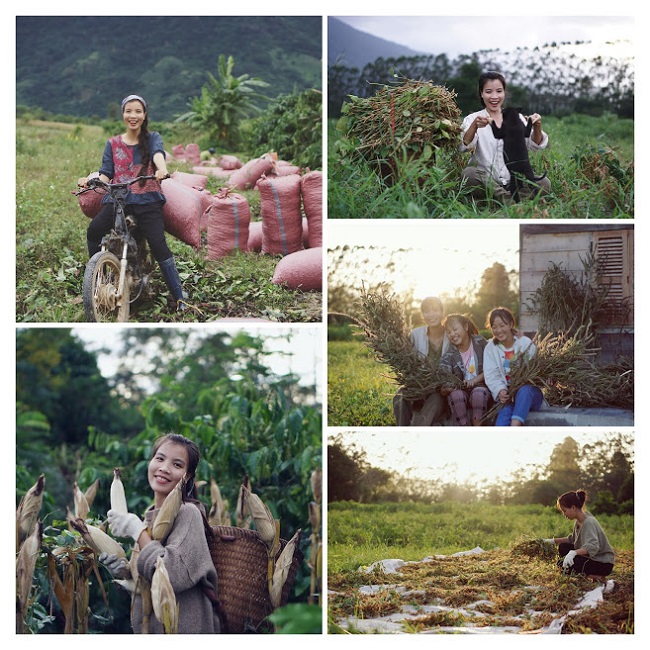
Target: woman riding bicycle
[137,152]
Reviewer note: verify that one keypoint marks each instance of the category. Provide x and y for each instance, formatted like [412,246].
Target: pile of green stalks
[409,120]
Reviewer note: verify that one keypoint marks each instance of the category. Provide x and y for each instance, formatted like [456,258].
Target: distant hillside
[353,48]
[81,65]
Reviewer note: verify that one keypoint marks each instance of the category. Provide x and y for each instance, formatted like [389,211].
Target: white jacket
[493,357]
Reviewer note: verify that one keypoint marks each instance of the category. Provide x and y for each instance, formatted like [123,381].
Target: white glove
[125,524]
[568,560]
[116,565]
[551,540]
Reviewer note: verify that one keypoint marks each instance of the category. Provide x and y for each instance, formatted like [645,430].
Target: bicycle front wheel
[102,302]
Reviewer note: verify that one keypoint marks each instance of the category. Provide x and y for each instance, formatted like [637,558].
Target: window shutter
[614,250]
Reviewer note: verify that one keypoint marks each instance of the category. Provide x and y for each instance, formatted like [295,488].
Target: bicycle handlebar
[97,183]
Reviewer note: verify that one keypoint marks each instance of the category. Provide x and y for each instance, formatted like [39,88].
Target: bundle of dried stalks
[563,368]
[388,335]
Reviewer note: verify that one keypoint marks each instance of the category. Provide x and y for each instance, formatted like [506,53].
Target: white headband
[130,98]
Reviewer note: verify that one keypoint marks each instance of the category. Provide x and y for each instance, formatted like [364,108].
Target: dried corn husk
[96,538]
[28,510]
[219,515]
[317,484]
[163,599]
[133,562]
[242,516]
[314,515]
[118,496]
[91,492]
[81,507]
[143,587]
[281,570]
[167,514]
[25,565]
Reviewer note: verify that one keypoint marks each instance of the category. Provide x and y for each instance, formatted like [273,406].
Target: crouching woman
[185,551]
[586,550]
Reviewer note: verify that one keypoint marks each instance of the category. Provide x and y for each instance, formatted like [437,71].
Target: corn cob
[167,514]
[163,599]
[28,511]
[96,538]
[143,587]
[281,570]
[118,496]
[81,507]
[25,565]
[265,523]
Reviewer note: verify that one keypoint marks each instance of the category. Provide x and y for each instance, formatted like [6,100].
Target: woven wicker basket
[240,557]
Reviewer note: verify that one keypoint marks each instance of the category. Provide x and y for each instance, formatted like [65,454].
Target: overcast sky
[455,35]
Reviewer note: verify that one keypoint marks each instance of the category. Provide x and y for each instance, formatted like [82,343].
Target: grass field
[360,390]
[51,249]
[508,585]
[589,162]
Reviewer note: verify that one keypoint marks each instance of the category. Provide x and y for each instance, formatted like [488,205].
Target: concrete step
[556,416]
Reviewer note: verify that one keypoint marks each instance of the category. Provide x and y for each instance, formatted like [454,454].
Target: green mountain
[85,65]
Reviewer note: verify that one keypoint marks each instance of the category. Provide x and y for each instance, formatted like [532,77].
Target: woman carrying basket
[185,551]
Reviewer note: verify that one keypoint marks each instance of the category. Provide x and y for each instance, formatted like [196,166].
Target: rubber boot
[173,281]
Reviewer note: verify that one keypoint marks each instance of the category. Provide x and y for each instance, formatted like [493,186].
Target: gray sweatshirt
[591,537]
[190,567]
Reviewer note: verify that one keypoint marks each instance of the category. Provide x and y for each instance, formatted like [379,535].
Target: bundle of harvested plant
[588,385]
[559,360]
[535,548]
[385,326]
[413,116]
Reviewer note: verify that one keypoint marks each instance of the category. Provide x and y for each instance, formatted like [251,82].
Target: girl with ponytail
[585,550]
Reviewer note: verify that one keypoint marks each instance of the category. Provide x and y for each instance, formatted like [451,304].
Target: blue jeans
[528,398]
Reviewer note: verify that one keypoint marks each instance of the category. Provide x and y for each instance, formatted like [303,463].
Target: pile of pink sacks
[291,212]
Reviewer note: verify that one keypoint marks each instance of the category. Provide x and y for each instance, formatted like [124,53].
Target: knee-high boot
[173,281]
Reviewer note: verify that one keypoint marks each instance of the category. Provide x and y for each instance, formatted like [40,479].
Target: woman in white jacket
[499,354]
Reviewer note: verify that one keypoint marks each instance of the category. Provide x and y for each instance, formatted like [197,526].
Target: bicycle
[122,267]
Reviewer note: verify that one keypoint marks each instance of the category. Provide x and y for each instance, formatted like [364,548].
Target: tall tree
[495,290]
[564,467]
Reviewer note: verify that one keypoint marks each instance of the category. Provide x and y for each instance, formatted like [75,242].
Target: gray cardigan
[189,565]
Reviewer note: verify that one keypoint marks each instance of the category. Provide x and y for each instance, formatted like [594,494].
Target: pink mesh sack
[280,214]
[228,221]
[312,203]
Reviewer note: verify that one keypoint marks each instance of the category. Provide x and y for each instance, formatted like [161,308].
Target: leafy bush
[291,126]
